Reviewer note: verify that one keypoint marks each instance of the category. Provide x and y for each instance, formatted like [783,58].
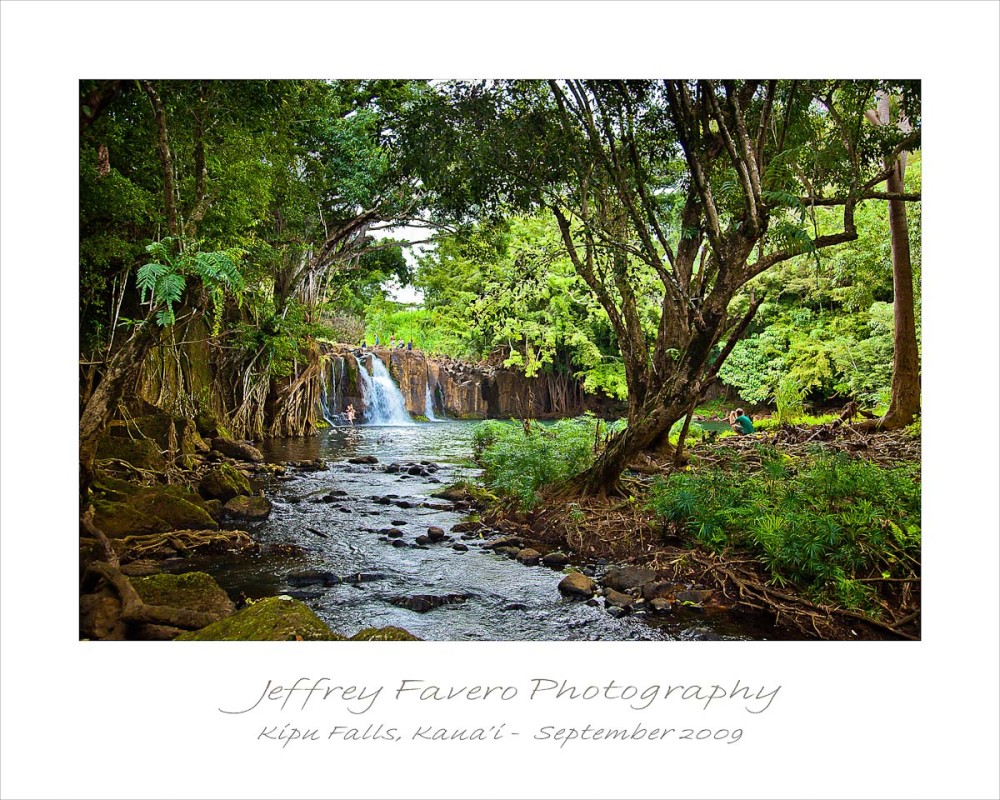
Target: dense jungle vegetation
[654,241]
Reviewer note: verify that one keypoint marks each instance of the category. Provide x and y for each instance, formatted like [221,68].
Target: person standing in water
[350,413]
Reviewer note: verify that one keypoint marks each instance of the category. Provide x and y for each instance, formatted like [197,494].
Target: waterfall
[332,390]
[429,404]
[384,404]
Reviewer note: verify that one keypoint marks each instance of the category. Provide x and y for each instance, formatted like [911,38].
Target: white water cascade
[331,398]
[384,404]
[429,405]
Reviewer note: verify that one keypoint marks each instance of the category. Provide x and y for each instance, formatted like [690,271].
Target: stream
[339,517]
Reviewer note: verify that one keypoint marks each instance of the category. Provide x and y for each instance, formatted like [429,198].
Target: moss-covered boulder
[234,449]
[273,619]
[223,482]
[177,511]
[248,507]
[387,634]
[142,453]
[117,519]
[196,591]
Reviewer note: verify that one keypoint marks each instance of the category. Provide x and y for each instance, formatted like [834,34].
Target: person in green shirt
[741,422]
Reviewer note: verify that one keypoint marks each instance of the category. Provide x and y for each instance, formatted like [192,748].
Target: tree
[701,185]
[904,404]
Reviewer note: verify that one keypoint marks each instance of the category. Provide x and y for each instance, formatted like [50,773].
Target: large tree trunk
[905,402]
[122,369]
[653,425]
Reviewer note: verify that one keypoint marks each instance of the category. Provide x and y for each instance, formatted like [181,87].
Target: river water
[504,600]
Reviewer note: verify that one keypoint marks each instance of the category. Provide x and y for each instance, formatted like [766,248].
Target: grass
[518,463]
[833,526]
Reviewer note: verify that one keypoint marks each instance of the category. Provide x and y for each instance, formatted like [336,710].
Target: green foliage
[162,282]
[518,463]
[788,398]
[831,525]
[828,323]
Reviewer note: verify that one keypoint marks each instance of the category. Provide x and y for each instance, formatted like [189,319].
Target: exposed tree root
[134,610]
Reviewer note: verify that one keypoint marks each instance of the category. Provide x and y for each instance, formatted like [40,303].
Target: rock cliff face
[460,390]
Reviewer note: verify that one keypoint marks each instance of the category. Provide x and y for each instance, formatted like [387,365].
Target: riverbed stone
[423,539]
[142,453]
[422,603]
[234,449]
[528,556]
[695,597]
[362,460]
[577,584]
[223,483]
[618,599]
[556,559]
[655,589]
[399,542]
[392,533]
[416,470]
[271,619]
[466,527]
[510,552]
[461,548]
[249,507]
[661,605]
[435,534]
[624,578]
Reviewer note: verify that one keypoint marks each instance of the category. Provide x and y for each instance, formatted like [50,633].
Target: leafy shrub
[519,463]
[788,396]
[833,526]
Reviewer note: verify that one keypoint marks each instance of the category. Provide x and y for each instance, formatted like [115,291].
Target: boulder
[624,578]
[196,591]
[392,533]
[142,453]
[510,552]
[435,534]
[223,482]
[693,597]
[661,605]
[234,449]
[362,460]
[271,619]
[461,548]
[389,633]
[178,511]
[577,584]
[617,599]
[249,507]
[556,559]
[122,519]
[467,527]
[423,603]
[658,589]
[528,556]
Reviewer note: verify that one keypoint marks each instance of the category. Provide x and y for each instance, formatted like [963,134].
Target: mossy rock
[178,512]
[117,519]
[387,634]
[114,489]
[142,453]
[467,492]
[223,482]
[273,619]
[196,591]
[249,507]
